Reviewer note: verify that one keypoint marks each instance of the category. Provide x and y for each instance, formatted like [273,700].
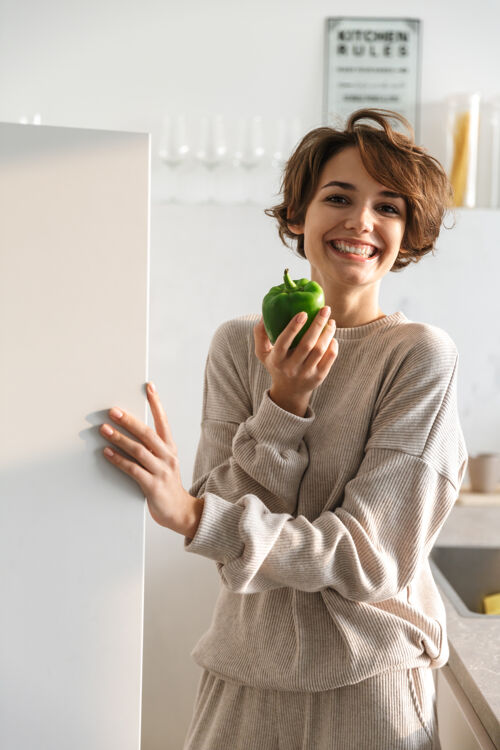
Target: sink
[466,575]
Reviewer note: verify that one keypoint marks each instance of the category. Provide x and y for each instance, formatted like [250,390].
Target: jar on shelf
[489,154]
[462,133]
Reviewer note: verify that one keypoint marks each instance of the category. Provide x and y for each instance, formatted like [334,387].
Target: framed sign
[372,62]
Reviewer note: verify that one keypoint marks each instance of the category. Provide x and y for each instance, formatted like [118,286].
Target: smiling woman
[327,471]
[324,473]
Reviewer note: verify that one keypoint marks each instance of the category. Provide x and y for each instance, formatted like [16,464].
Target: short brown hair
[390,157]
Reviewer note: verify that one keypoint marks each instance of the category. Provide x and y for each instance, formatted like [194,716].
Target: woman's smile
[353,250]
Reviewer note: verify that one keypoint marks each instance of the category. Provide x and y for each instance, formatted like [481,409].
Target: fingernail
[152,388]
[301,317]
[325,312]
[116,413]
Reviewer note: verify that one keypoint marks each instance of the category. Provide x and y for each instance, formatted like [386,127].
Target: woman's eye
[387,208]
[336,199]
[342,200]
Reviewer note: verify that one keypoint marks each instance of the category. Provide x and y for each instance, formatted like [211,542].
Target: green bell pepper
[282,302]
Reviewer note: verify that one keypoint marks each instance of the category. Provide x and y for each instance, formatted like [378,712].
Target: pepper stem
[289,283]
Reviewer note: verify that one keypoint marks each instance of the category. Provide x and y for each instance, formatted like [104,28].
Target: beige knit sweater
[321,526]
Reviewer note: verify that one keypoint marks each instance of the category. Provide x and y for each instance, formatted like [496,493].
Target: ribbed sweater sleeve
[369,548]
[240,451]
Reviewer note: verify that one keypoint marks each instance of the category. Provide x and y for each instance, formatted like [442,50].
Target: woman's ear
[294,228]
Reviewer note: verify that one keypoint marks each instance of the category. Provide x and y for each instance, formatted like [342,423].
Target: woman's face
[350,216]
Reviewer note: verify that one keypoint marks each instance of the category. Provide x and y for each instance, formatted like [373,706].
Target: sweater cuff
[217,536]
[272,424]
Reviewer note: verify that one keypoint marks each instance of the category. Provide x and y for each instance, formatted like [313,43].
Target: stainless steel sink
[466,575]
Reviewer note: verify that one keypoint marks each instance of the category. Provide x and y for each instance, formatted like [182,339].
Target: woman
[324,473]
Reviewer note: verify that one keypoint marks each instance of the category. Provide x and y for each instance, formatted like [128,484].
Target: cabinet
[459,725]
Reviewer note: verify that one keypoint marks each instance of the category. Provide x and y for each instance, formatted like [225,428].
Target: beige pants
[390,711]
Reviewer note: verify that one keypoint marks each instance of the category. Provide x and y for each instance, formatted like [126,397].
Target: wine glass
[37,119]
[174,148]
[212,148]
[250,151]
[287,135]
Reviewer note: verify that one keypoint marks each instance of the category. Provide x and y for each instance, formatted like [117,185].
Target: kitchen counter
[475,642]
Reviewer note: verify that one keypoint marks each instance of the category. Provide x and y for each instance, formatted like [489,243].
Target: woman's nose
[360,219]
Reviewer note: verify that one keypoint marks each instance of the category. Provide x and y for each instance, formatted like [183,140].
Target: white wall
[121,65]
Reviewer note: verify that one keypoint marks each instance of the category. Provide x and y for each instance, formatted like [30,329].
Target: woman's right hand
[297,372]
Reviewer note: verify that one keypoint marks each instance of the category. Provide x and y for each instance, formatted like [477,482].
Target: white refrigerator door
[74,275]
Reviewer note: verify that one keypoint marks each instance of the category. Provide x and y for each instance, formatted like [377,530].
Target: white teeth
[365,250]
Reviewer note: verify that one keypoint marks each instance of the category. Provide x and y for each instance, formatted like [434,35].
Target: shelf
[480,499]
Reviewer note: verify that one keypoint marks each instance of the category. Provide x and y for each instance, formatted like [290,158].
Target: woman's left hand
[157,469]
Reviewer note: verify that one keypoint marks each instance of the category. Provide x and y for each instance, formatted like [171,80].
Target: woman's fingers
[262,344]
[135,470]
[320,346]
[324,365]
[160,418]
[146,435]
[286,337]
[327,352]
[307,364]
[312,336]
[139,451]
[284,341]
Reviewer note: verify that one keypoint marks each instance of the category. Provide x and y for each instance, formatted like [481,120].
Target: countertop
[475,642]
